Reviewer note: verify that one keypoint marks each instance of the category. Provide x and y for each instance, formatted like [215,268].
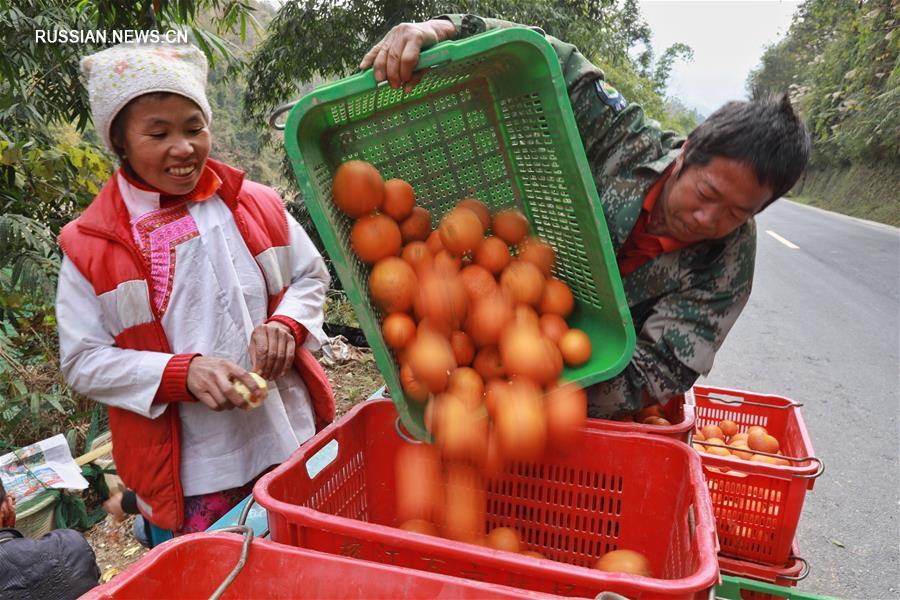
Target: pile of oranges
[477,324]
[725,439]
[652,414]
[474,316]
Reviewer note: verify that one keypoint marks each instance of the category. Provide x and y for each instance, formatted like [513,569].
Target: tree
[46,174]
[841,60]
[327,38]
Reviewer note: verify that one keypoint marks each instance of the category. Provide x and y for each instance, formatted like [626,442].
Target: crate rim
[686,426]
[707,571]
[155,555]
[440,53]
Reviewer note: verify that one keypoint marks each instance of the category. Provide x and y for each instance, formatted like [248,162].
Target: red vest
[146,451]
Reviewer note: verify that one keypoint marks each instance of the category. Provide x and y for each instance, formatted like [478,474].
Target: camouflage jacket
[683,303]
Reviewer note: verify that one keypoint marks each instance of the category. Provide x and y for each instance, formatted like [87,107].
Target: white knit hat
[120,74]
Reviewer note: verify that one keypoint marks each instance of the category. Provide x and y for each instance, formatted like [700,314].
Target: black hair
[764,133]
[2,492]
[117,129]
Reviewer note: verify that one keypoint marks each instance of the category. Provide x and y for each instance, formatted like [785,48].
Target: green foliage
[35,403]
[328,38]
[840,60]
[50,168]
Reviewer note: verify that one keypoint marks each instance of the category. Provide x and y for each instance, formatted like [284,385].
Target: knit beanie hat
[119,74]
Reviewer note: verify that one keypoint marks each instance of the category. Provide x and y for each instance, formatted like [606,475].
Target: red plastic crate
[193,566]
[615,491]
[787,575]
[680,429]
[757,505]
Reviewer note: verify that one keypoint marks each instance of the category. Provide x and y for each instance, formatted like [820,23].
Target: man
[59,565]
[679,212]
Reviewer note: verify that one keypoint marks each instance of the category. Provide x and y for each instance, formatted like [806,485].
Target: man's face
[167,142]
[707,202]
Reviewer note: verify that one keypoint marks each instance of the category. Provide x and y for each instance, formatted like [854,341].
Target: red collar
[208,184]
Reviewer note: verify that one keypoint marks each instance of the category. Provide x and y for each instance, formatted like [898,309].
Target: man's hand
[272,350]
[210,379]
[395,57]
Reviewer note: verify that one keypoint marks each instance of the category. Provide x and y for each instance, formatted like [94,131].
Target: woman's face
[166,142]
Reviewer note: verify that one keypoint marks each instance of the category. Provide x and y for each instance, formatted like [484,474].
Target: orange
[399,199]
[728,427]
[489,317]
[510,225]
[414,389]
[553,327]
[487,363]
[420,526]
[466,384]
[524,282]
[392,285]
[504,538]
[462,433]
[624,561]
[431,358]
[526,353]
[463,348]
[575,346]
[565,407]
[398,329]
[557,298]
[461,231]
[418,256]
[520,423]
[417,486]
[464,504]
[479,283]
[417,226]
[375,237]
[493,255]
[442,298]
[712,431]
[477,207]
[539,253]
[358,188]
[434,242]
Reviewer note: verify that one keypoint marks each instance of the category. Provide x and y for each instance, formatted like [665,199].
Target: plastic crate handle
[804,573]
[242,559]
[819,469]
[725,399]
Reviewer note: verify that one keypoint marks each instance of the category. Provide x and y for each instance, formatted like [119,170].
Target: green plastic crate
[731,589]
[490,120]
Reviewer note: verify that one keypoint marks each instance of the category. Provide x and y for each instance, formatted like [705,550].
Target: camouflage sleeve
[683,332]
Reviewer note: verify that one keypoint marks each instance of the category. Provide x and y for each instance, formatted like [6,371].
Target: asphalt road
[821,327]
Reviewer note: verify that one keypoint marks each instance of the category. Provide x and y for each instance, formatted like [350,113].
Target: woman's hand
[210,380]
[395,57]
[272,350]
[113,506]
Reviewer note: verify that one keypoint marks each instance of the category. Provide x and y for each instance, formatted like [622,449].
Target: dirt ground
[114,544]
